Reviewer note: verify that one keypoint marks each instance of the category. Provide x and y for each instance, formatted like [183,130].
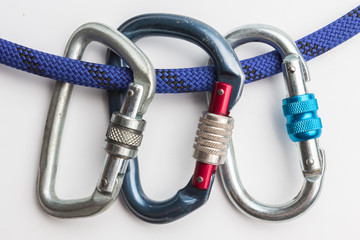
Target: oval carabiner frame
[144,75]
[312,157]
[228,71]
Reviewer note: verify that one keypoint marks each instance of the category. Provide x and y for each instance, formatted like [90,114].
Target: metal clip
[304,127]
[122,138]
[210,146]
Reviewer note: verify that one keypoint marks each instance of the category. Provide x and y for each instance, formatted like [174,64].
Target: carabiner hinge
[213,136]
[295,75]
[220,98]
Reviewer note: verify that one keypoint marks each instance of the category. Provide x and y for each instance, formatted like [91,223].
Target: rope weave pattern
[172,80]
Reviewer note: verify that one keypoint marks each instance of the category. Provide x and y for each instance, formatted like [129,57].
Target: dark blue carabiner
[228,70]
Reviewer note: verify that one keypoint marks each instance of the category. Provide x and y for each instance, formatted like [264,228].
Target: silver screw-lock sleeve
[212,138]
[124,136]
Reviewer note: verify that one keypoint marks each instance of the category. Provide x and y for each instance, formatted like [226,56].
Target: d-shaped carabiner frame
[312,157]
[228,71]
[111,180]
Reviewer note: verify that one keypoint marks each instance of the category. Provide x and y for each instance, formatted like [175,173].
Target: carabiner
[303,127]
[123,126]
[215,126]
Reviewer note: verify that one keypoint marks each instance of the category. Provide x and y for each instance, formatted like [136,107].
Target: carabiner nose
[128,121]
[227,91]
[304,127]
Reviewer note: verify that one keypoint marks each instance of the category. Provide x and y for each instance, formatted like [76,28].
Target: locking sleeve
[303,122]
[124,136]
[212,138]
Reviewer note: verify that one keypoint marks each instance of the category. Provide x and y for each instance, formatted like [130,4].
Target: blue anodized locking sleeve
[303,122]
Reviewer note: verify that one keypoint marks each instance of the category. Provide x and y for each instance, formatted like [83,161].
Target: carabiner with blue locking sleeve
[124,124]
[303,126]
[215,127]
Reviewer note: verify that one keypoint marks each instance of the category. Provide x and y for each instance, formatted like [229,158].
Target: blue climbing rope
[172,80]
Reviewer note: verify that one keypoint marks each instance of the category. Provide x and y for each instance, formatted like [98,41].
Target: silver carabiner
[124,133]
[304,127]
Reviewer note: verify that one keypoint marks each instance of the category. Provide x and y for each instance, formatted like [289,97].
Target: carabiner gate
[122,138]
[215,126]
[303,126]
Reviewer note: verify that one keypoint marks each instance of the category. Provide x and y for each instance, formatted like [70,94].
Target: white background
[268,160]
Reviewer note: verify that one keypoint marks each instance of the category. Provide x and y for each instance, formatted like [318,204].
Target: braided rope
[172,80]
